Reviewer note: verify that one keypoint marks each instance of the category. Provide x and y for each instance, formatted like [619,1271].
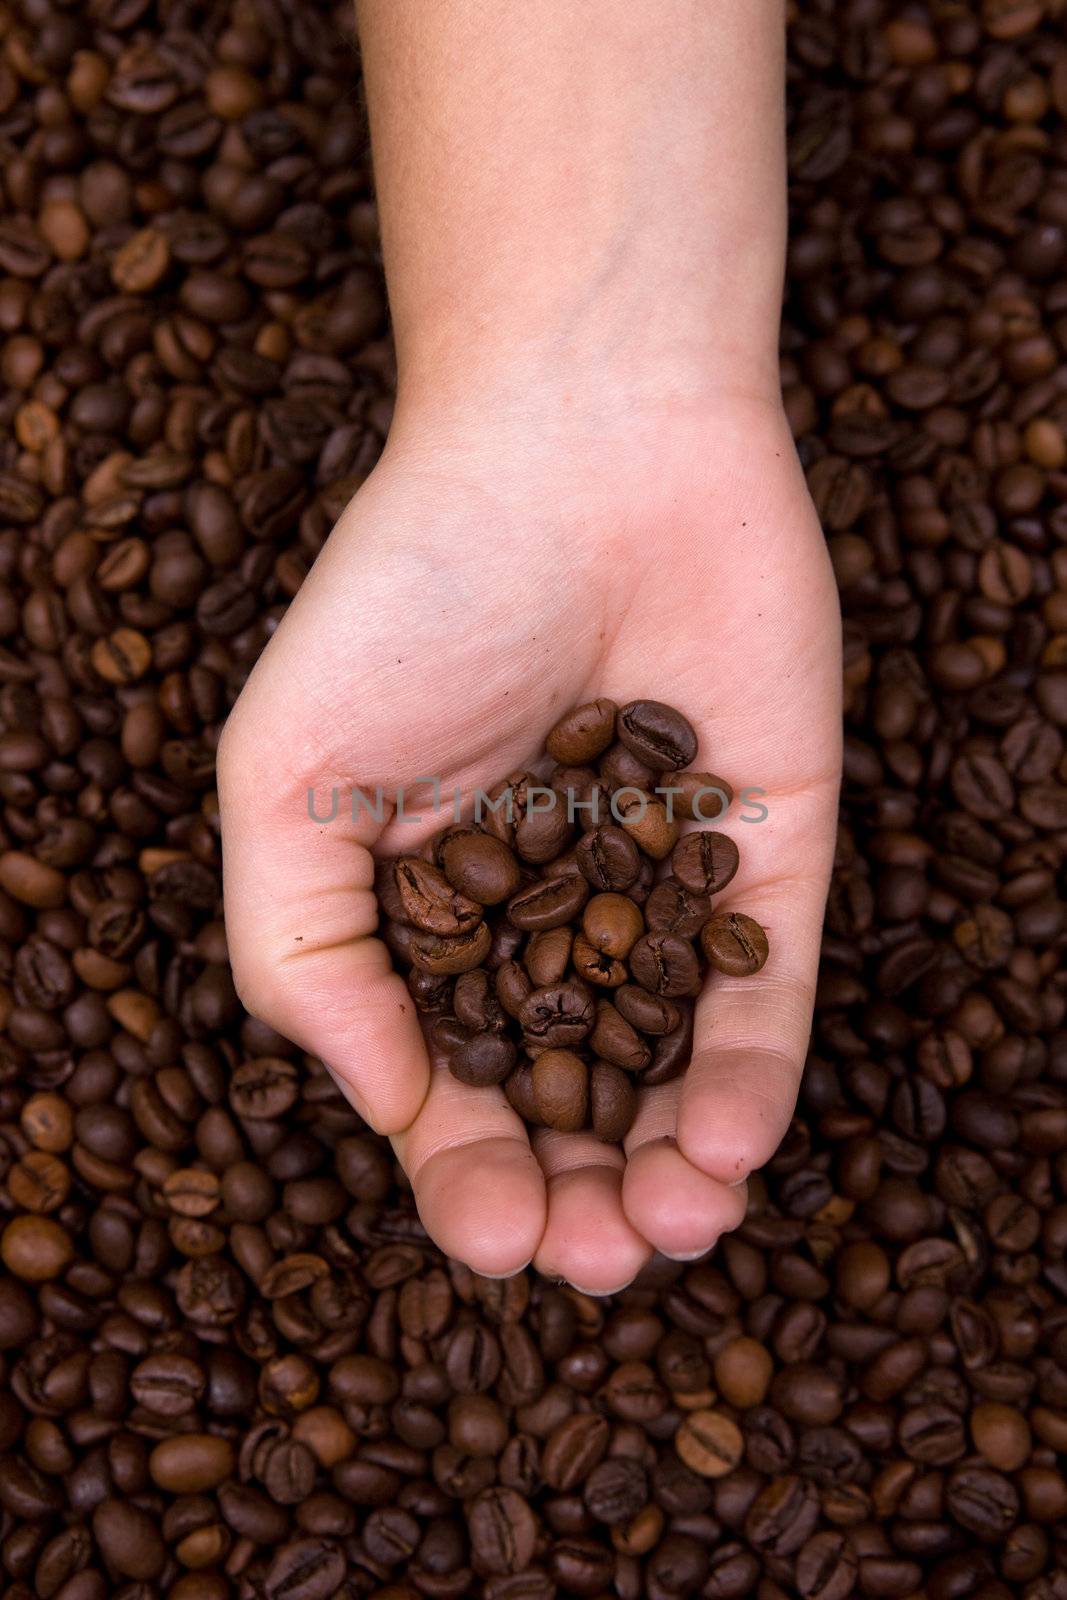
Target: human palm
[475,588]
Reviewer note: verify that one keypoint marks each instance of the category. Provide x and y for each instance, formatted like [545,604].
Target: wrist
[532,389]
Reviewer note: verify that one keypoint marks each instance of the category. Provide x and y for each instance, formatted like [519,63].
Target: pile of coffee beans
[589,966]
[232,1367]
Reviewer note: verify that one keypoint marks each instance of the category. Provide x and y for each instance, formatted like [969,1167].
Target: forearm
[583,197]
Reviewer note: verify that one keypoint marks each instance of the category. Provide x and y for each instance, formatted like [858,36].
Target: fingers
[479,1190]
[751,1038]
[679,1209]
[300,919]
[587,1238]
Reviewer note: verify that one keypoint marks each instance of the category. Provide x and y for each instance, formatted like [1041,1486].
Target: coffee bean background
[233,1368]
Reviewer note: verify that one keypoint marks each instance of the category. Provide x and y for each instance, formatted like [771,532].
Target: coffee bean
[672,908]
[307,1569]
[264,1088]
[982,1501]
[573,1449]
[482,1060]
[705,862]
[665,965]
[647,1012]
[583,733]
[657,734]
[595,967]
[428,900]
[608,858]
[129,1540]
[709,1443]
[548,904]
[782,1517]
[645,819]
[743,1370]
[29,881]
[561,1015]
[445,954]
[480,868]
[560,1083]
[734,944]
[167,1385]
[191,1463]
[140,263]
[697,796]
[503,1531]
[614,1039]
[35,1248]
[612,924]
[475,1002]
[616,1490]
[612,1102]
[548,955]
[826,1567]
[670,1054]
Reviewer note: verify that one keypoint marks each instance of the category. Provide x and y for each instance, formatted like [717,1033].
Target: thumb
[301,916]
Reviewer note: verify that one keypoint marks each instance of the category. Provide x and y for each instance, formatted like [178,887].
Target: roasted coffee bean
[645,819]
[697,796]
[614,1039]
[608,858]
[656,733]
[734,944]
[573,1448]
[475,1002]
[616,1490]
[650,1013]
[582,734]
[512,986]
[428,901]
[665,964]
[445,954]
[548,955]
[612,924]
[710,1443]
[129,1540]
[562,1014]
[264,1088]
[672,908]
[671,1053]
[606,971]
[560,1084]
[618,768]
[548,904]
[705,862]
[480,868]
[612,1102]
[483,1059]
[191,1462]
[307,1569]
[503,1531]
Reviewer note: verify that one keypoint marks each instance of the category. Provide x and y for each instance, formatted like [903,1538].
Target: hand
[476,587]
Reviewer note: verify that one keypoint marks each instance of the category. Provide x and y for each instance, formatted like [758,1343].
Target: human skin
[589,489]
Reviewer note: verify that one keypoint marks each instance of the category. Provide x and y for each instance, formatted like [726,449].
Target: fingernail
[602,1294]
[498,1277]
[690,1255]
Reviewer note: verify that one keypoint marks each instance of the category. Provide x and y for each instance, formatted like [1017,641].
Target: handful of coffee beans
[556,943]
